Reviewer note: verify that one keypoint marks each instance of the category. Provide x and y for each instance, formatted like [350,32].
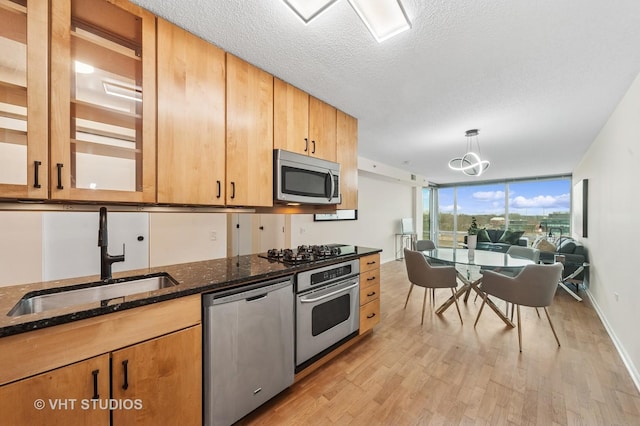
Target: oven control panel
[326,274]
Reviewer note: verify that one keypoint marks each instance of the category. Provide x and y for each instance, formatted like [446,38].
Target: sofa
[573,251]
[499,239]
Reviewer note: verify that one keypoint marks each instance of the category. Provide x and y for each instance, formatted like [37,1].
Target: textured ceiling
[539,79]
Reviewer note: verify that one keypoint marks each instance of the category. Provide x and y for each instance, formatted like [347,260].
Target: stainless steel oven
[327,309]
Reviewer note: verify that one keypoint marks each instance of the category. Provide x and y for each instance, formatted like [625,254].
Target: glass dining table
[469,264]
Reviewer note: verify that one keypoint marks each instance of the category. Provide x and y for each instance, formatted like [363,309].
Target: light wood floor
[447,373]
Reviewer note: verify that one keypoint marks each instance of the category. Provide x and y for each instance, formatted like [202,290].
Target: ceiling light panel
[383,18]
[308,9]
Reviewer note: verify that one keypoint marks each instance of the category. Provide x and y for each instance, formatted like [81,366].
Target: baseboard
[633,371]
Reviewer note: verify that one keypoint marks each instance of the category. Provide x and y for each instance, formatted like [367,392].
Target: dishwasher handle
[250,292]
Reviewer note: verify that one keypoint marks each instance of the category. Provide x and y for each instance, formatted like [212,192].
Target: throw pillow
[483,236]
[567,246]
[544,245]
[515,237]
[505,237]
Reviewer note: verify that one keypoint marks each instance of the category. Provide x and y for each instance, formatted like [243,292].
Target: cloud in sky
[488,195]
[448,208]
[542,201]
[495,199]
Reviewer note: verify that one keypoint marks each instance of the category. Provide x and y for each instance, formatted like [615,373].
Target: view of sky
[527,198]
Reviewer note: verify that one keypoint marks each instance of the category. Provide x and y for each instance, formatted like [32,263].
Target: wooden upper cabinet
[302,123]
[290,118]
[322,129]
[24,125]
[103,101]
[70,386]
[191,118]
[347,156]
[165,374]
[249,135]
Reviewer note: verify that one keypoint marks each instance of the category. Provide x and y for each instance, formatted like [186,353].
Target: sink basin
[106,294]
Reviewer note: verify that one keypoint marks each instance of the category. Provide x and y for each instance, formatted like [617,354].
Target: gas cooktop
[304,254]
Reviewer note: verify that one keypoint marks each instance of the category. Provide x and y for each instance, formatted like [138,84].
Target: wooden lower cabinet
[154,382]
[59,397]
[164,376]
[369,292]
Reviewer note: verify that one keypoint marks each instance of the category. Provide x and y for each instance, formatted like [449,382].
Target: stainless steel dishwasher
[248,348]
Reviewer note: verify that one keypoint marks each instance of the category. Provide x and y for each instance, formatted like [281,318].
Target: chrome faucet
[106,260]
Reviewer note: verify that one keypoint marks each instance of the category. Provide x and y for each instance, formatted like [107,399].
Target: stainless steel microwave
[300,179]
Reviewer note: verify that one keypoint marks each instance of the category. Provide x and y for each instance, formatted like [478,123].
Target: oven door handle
[333,293]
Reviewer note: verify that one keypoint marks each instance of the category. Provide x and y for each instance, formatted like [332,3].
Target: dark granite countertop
[192,278]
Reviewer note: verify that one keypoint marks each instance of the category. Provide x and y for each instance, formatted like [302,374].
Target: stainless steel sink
[113,292]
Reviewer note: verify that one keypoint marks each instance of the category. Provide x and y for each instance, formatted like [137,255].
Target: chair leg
[424,302]
[519,328]
[551,324]
[405,303]
[538,312]
[484,300]
[453,293]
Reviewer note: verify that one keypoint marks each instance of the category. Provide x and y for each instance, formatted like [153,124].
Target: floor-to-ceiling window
[484,202]
[426,216]
[445,224]
[540,208]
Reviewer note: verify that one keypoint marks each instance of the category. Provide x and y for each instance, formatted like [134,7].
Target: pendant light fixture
[383,18]
[470,163]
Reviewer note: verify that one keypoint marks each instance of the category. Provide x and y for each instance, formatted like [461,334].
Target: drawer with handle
[370,278]
[369,293]
[369,315]
[368,263]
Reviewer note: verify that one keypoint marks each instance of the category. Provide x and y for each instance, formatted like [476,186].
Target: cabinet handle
[262,228]
[371,263]
[313,150]
[373,293]
[306,144]
[125,364]
[371,279]
[59,166]
[233,190]
[371,316]
[219,189]
[95,384]
[36,165]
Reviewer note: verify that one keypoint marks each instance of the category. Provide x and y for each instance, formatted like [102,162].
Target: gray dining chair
[520,252]
[422,245]
[534,286]
[524,253]
[422,274]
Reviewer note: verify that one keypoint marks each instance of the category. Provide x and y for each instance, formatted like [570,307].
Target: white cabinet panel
[70,243]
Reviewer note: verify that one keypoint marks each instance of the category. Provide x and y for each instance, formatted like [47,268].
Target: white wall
[186,237]
[612,166]
[381,204]
[20,247]
[70,243]
[35,246]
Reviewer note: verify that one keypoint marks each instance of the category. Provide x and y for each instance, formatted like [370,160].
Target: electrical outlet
[213,235]
[303,230]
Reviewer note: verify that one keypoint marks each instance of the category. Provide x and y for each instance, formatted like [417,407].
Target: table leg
[466,289]
[571,277]
[568,290]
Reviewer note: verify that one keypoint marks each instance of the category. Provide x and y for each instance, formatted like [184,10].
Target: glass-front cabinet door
[102,101]
[23,99]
